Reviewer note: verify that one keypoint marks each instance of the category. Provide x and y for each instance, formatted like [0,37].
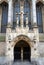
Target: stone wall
[41,37]
[41,49]
[2,48]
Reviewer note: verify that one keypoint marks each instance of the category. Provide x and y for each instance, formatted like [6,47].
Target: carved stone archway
[22,37]
[26,42]
[15,42]
[22,51]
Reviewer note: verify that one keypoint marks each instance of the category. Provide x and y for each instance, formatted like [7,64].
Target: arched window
[16,9]
[27,10]
[39,17]
[4,17]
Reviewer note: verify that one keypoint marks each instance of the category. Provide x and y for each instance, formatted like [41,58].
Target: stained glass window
[4,17]
[27,10]
[16,9]
[39,18]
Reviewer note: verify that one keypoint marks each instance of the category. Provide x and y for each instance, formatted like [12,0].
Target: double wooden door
[21,53]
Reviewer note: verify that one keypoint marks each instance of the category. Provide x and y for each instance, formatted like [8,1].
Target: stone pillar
[43,17]
[27,21]
[0,17]
[34,18]
[8,32]
[10,13]
[17,21]
[35,29]
[10,16]
[22,12]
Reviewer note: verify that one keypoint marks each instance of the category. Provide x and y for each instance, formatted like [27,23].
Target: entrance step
[19,63]
[23,63]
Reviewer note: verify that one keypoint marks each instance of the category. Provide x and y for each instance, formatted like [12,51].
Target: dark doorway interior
[17,53]
[25,55]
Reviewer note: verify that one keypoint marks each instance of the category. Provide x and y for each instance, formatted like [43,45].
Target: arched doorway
[22,51]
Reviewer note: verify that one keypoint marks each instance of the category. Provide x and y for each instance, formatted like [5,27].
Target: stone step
[19,63]
[23,63]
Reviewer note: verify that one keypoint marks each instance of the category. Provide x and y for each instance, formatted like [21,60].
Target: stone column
[10,13]
[0,17]
[34,18]
[22,12]
[35,29]
[17,21]
[27,21]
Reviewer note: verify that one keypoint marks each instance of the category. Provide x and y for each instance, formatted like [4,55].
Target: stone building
[22,29]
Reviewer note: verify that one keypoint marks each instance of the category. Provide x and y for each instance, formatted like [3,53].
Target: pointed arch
[24,38]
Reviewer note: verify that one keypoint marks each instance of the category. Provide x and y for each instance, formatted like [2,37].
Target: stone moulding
[22,37]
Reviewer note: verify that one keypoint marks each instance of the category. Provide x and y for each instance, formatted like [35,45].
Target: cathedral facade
[22,29]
